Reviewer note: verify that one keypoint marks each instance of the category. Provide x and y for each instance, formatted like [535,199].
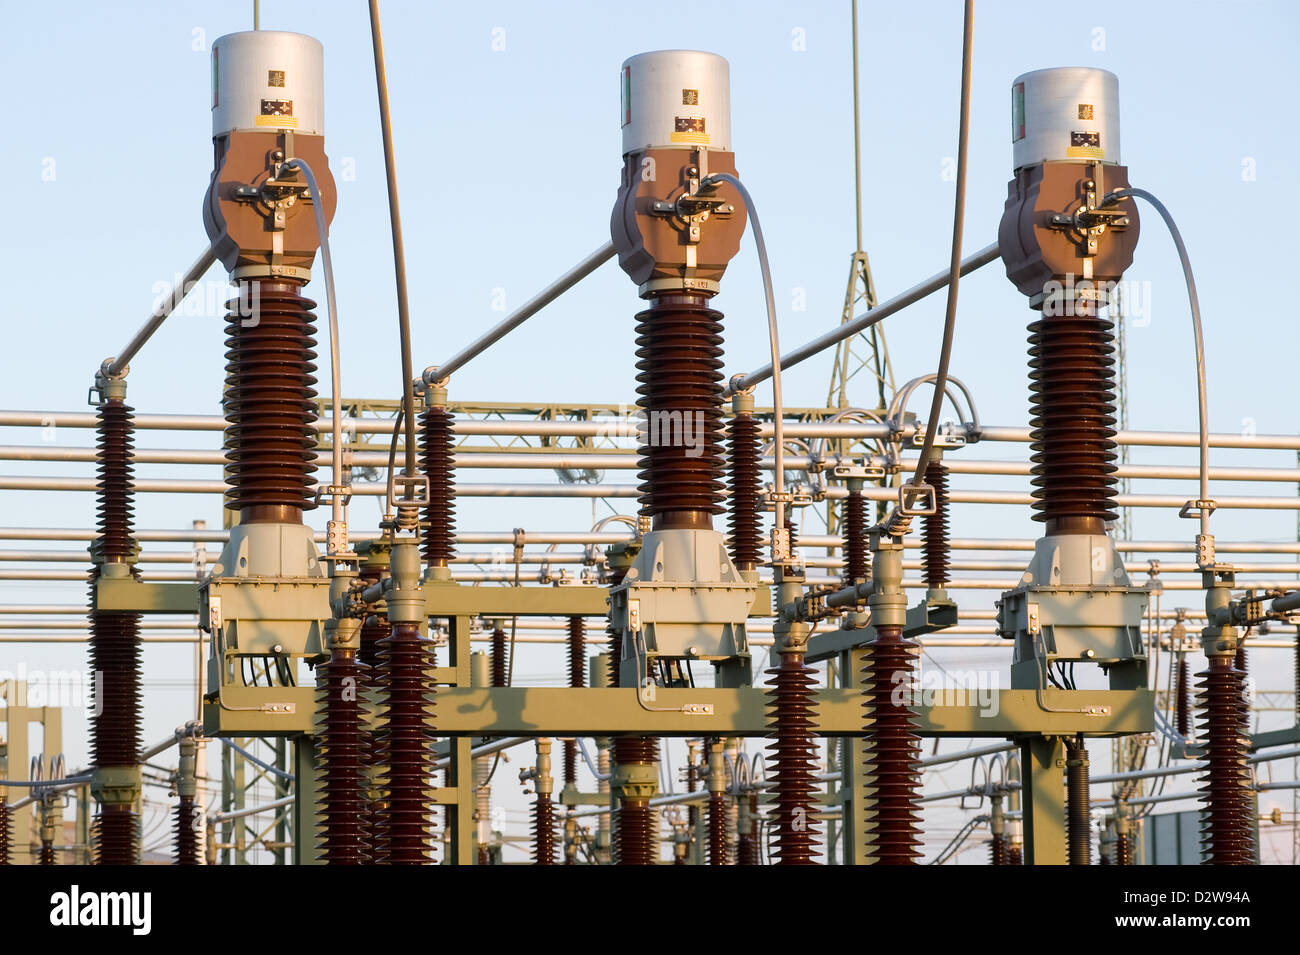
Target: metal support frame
[17,718]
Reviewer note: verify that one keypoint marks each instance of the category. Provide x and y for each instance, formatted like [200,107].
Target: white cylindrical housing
[1070,114]
[675,99]
[265,80]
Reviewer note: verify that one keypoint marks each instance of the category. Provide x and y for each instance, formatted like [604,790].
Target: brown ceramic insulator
[853,527]
[998,850]
[577,646]
[1123,851]
[270,443]
[499,661]
[679,351]
[5,830]
[115,661]
[115,835]
[637,842]
[47,856]
[407,662]
[1182,699]
[1226,837]
[636,831]
[934,536]
[370,678]
[340,761]
[543,830]
[615,637]
[1239,661]
[1072,409]
[113,448]
[792,757]
[438,543]
[1015,856]
[186,836]
[743,537]
[717,819]
[747,846]
[484,857]
[115,637]
[892,751]
[1078,809]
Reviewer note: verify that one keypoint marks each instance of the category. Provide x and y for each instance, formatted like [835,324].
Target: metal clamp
[917,500]
[1195,509]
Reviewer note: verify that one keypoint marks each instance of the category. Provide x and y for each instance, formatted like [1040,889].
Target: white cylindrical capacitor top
[1070,114]
[266,80]
[675,99]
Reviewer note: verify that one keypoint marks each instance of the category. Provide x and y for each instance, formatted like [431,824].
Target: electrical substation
[758,650]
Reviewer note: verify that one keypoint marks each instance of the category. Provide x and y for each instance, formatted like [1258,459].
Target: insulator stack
[1073,420]
[187,836]
[793,755]
[692,784]
[892,758]
[577,678]
[1078,811]
[374,629]
[499,662]
[1182,699]
[717,818]
[438,542]
[340,761]
[5,830]
[1015,856]
[407,662]
[853,526]
[935,556]
[998,849]
[1227,814]
[1239,661]
[744,539]
[270,442]
[1123,849]
[679,352]
[47,856]
[115,638]
[543,830]
[747,847]
[636,830]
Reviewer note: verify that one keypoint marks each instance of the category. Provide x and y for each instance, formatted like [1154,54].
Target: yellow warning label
[280,122]
[1085,152]
[701,139]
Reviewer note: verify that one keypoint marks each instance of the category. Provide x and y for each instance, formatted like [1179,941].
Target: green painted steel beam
[123,593]
[561,711]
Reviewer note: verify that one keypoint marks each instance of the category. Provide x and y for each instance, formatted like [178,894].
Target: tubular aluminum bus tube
[179,486]
[614,428]
[168,305]
[882,311]
[813,541]
[526,311]
[618,461]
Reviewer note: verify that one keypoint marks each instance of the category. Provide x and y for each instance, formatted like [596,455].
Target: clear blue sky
[508,164]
